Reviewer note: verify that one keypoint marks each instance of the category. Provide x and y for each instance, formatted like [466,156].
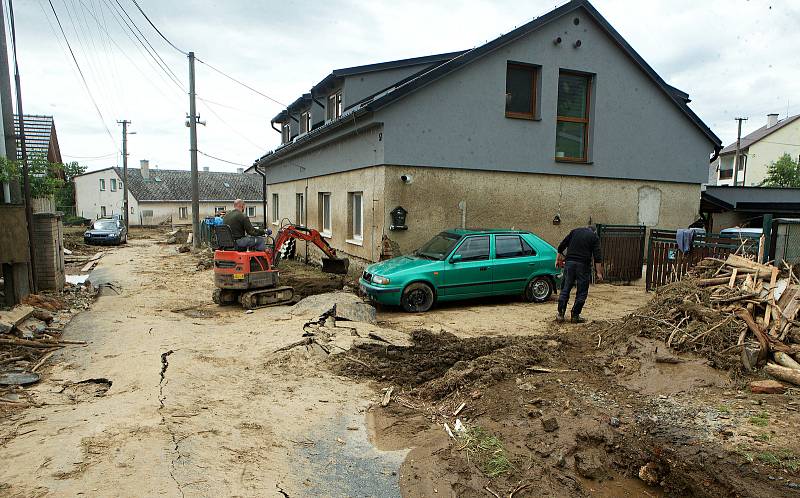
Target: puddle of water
[343,462]
[620,486]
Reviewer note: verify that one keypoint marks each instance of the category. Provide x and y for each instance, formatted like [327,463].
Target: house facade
[554,125]
[759,149]
[161,196]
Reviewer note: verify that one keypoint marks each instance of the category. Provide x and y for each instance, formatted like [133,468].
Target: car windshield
[105,225]
[438,247]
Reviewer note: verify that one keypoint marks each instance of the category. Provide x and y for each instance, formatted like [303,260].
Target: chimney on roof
[205,168]
[240,170]
[772,119]
[144,165]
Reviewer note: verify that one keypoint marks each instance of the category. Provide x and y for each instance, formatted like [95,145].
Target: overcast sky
[734,58]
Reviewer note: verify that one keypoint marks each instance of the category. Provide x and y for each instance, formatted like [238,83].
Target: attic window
[227,184]
[334,108]
[158,179]
[572,121]
[521,90]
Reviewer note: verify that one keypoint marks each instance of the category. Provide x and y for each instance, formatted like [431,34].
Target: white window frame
[183,213]
[326,215]
[286,133]
[218,209]
[251,210]
[300,208]
[113,184]
[276,209]
[102,211]
[305,122]
[102,185]
[356,205]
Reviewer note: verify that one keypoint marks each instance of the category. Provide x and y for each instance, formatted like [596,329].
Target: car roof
[484,231]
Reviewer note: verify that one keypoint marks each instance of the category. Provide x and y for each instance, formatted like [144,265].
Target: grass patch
[781,458]
[760,420]
[764,437]
[769,458]
[723,409]
[486,450]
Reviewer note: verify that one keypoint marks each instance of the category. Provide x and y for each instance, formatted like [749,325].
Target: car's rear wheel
[538,290]
[417,298]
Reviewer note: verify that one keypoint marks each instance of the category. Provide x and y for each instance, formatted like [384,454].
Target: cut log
[782,373]
[785,360]
[12,318]
[740,262]
[733,278]
[763,341]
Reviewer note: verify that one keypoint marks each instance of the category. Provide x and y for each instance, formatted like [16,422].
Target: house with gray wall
[556,124]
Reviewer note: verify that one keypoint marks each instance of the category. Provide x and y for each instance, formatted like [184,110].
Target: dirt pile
[308,280]
[439,364]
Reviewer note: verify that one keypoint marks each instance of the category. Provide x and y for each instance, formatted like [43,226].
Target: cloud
[733,57]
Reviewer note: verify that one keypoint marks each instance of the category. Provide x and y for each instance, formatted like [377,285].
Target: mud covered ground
[560,415]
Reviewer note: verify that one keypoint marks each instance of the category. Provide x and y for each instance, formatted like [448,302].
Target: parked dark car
[106,231]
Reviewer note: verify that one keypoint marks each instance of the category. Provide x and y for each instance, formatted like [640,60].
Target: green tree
[782,173]
[65,195]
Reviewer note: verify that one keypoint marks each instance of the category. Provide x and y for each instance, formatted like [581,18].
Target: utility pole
[736,157]
[26,181]
[193,155]
[125,124]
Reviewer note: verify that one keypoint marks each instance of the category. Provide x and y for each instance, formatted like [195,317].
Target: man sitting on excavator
[244,233]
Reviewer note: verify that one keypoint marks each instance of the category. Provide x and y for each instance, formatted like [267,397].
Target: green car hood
[403,264]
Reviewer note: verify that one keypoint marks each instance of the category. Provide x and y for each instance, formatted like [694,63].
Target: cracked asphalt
[198,404]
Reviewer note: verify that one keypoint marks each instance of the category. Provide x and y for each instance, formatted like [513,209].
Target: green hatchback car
[463,264]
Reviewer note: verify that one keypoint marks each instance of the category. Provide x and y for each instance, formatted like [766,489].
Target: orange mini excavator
[251,277]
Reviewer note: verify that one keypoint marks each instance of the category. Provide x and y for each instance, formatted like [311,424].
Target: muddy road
[173,396]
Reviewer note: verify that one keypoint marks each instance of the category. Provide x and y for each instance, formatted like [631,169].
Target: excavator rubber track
[262,298]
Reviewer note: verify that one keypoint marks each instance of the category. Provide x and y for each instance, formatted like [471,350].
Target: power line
[239,82]
[92,157]
[83,78]
[171,74]
[157,30]
[136,3]
[223,160]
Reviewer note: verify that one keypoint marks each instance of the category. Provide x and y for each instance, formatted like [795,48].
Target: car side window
[511,246]
[474,249]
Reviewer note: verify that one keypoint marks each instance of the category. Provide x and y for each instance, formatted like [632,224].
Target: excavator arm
[331,263]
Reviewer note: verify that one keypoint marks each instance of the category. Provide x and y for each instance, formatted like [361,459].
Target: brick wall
[48,239]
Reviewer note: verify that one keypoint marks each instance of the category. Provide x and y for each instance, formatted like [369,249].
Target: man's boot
[560,318]
[578,319]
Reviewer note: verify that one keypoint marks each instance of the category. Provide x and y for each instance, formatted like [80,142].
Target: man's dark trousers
[575,273]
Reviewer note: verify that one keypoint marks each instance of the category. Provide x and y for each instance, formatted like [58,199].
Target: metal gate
[785,244]
[623,251]
[666,263]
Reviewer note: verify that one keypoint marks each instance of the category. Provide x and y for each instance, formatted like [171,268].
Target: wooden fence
[622,248]
[666,263]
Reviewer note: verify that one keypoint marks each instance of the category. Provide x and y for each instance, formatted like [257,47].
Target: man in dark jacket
[244,233]
[582,244]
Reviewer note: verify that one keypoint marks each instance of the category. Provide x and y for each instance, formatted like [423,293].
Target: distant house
[553,125]
[757,151]
[157,196]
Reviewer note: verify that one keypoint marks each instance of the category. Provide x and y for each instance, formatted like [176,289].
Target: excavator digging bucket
[338,266]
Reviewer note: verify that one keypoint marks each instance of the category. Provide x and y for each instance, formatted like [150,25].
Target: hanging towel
[684,238]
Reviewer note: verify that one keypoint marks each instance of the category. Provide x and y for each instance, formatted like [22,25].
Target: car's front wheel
[417,298]
[538,290]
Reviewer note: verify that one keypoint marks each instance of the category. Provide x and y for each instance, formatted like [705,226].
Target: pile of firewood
[733,311]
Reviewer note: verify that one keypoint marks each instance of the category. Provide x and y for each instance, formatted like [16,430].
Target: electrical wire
[157,30]
[171,74]
[257,146]
[223,160]
[239,82]
[136,3]
[91,157]
[83,78]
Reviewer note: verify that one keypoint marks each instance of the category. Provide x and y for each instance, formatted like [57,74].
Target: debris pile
[733,311]
[178,236]
[31,332]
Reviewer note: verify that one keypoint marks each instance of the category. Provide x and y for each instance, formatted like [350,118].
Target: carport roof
[717,199]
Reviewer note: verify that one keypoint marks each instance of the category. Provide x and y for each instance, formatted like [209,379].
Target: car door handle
[531,264]
[483,268]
